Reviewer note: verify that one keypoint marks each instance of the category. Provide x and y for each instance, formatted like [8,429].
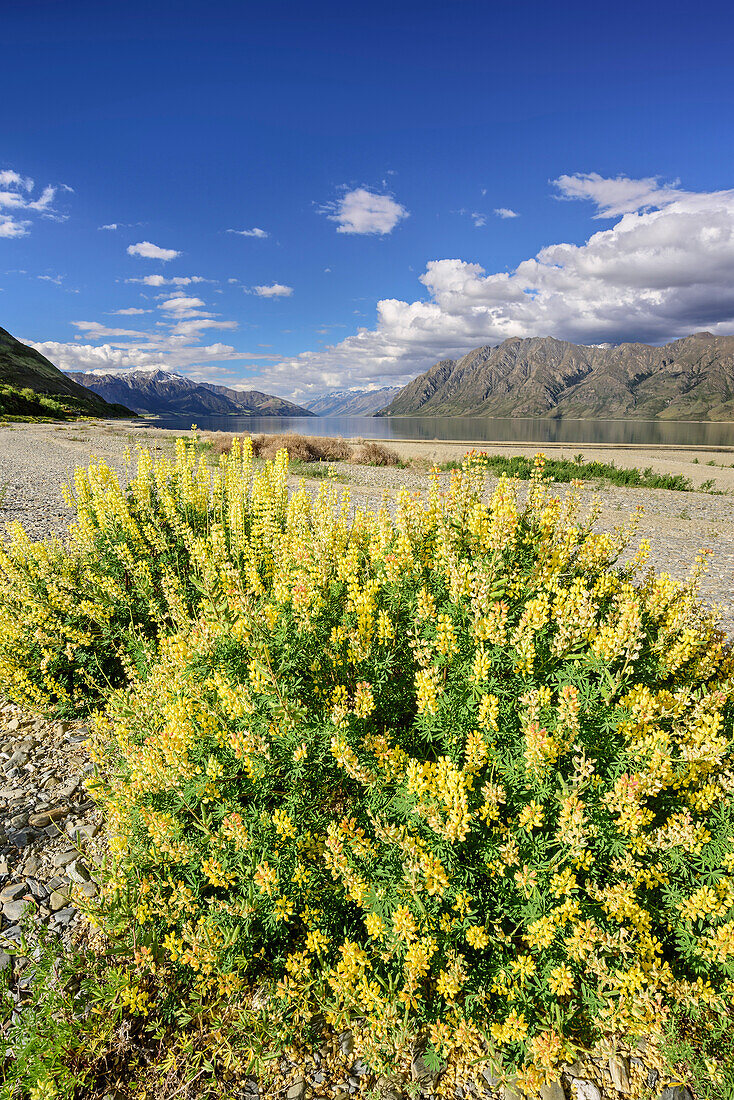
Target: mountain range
[689,379]
[162,391]
[352,402]
[22,368]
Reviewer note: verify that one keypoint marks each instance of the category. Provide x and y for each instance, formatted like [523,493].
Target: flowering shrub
[450,773]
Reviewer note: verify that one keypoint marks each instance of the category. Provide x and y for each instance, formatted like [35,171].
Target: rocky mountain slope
[352,402]
[689,379]
[24,368]
[161,391]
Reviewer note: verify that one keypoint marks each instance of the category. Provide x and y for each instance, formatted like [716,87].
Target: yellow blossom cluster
[443,765]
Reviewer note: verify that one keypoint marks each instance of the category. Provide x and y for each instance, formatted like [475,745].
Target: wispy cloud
[18,207]
[505,212]
[150,251]
[364,212]
[621,195]
[160,280]
[129,312]
[255,232]
[274,290]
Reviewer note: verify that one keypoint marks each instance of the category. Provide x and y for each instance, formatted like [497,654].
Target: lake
[472,429]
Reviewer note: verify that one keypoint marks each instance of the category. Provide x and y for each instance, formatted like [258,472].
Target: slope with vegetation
[689,379]
[163,391]
[32,387]
[452,777]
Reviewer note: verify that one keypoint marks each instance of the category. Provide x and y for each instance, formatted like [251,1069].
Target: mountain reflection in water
[472,429]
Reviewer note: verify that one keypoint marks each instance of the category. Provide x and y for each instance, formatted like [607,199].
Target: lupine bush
[450,774]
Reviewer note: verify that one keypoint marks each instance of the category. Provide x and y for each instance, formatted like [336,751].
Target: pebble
[14,910]
[46,817]
[552,1091]
[585,1090]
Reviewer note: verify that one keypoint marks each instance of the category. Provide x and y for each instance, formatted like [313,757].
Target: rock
[12,725]
[61,859]
[65,916]
[511,1093]
[57,900]
[552,1091]
[78,871]
[47,817]
[346,1043]
[30,866]
[6,961]
[585,1090]
[37,889]
[14,910]
[10,893]
[619,1072]
[675,1092]
[67,790]
[297,1090]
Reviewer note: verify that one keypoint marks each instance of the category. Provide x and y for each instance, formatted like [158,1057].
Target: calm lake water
[471,429]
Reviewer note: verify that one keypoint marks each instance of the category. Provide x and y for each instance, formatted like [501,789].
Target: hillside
[163,392]
[689,379]
[352,402]
[22,368]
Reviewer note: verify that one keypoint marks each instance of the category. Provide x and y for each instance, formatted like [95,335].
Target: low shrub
[451,776]
[301,448]
[369,453]
[304,449]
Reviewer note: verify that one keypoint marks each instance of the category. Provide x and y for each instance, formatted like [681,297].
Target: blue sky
[371,149]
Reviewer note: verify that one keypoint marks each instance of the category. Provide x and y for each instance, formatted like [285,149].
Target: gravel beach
[35,459]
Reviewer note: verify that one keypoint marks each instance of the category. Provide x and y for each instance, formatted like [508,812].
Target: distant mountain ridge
[688,379]
[161,391]
[22,367]
[352,402]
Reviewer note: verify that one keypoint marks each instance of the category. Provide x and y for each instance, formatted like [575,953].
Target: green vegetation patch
[565,470]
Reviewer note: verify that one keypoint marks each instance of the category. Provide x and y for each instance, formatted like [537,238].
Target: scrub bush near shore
[449,775]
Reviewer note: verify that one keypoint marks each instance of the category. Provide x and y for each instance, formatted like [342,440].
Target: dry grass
[310,448]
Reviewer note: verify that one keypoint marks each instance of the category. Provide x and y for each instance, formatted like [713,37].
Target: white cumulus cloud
[255,232]
[364,212]
[505,212]
[274,290]
[182,304]
[152,251]
[663,270]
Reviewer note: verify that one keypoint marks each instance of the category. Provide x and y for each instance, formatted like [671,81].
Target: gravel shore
[35,459]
